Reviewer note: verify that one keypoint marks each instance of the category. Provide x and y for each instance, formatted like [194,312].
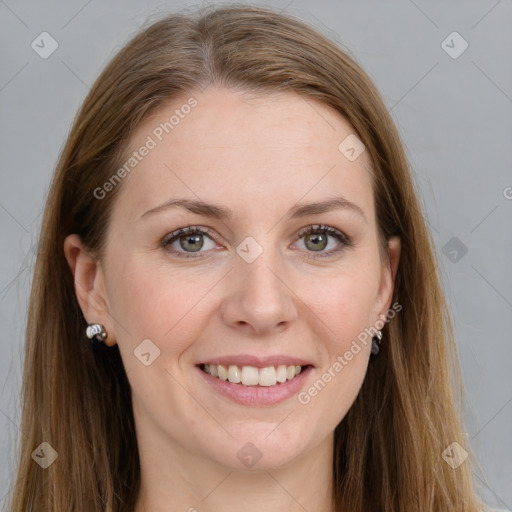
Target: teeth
[234,374]
[221,370]
[281,373]
[267,376]
[252,376]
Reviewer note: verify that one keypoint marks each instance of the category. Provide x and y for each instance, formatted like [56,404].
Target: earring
[96,333]
[376,343]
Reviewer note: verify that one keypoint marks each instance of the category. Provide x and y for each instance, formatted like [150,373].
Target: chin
[259,448]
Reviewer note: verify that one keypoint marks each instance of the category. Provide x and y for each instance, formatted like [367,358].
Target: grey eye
[316,241]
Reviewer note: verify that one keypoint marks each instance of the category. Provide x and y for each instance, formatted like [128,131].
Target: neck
[174,478]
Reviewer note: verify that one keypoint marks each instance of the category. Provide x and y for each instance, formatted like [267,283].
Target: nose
[260,298]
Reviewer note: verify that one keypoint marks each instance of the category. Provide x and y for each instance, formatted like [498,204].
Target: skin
[263,154]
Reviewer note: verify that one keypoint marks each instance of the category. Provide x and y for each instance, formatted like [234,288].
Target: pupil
[193,240]
[316,238]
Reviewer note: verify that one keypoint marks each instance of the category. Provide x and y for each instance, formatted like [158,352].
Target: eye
[316,239]
[189,240]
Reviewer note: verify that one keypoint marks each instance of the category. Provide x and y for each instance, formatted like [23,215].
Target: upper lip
[257,361]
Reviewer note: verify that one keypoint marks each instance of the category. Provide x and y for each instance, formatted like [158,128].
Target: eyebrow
[222,213]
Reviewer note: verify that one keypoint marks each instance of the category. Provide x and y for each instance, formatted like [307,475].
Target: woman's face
[249,288]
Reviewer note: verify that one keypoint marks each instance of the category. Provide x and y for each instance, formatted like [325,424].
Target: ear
[89,285]
[387,283]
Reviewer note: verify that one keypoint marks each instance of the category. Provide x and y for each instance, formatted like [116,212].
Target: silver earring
[376,343]
[96,332]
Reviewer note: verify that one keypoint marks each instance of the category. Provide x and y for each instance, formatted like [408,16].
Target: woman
[236,299]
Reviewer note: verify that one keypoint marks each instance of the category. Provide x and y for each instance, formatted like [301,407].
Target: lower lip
[257,395]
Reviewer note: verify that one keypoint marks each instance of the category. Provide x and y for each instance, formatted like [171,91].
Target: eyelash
[317,229]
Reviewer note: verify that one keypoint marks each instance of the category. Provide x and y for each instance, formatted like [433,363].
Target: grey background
[454,115]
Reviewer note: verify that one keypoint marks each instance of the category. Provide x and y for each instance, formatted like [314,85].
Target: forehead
[243,150]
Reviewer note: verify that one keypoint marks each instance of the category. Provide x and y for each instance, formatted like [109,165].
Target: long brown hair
[76,396]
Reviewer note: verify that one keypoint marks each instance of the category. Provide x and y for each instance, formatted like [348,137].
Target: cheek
[345,306]
[345,312]
[345,309]
[162,304]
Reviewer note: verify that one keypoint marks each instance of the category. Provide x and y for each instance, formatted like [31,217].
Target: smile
[255,381]
[252,375]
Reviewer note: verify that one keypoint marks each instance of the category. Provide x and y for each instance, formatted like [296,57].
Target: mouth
[253,376]
[255,381]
